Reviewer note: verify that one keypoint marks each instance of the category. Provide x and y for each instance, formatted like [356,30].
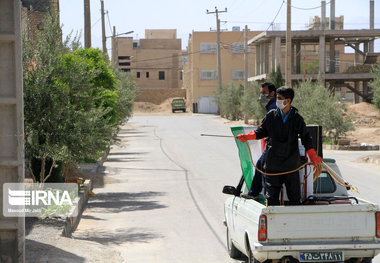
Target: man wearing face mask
[283,127]
[267,98]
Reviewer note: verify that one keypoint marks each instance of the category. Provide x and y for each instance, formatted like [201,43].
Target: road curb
[94,167]
[73,221]
[351,147]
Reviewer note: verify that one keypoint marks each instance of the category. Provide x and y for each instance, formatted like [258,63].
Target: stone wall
[158,96]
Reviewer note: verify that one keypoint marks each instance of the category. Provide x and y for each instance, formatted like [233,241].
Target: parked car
[178,104]
[329,226]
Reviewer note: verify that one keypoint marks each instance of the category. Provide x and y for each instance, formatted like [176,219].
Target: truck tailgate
[323,222]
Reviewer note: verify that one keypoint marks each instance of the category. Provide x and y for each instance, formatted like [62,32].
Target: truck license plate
[315,256]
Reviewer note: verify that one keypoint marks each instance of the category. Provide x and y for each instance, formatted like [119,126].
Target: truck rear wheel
[232,250]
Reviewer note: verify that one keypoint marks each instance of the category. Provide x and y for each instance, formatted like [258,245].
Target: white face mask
[264,98]
[280,104]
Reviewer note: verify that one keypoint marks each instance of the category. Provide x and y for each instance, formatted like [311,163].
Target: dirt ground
[366,119]
[365,116]
[147,108]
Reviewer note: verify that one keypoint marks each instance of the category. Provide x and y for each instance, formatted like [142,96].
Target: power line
[275,15]
[308,8]
[109,22]
[96,22]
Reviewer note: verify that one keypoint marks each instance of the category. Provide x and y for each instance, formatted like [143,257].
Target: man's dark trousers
[257,182]
[274,183]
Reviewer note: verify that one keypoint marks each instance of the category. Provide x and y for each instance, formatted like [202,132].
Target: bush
[319,106]
[251,105]
[276,77]
[126,90]
[74,101]
[375,85]
[229,99]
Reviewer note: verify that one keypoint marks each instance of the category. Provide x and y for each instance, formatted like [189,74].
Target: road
[161,200]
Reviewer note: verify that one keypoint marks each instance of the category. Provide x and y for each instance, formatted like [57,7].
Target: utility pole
[332,39]
[219,62]
[288,60]
[246,58]
[104,39]
[371,22]
[114,48]
[245,66]
[87,24]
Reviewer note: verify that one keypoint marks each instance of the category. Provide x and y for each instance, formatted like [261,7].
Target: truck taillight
[378,224]
[262,235]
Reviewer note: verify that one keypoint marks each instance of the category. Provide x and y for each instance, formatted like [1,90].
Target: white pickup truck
[330,226]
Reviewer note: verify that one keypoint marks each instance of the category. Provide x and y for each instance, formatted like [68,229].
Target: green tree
[251,105]
[73,101]
[310,68]
[276,77]
[228,100]
[127,92]
[375,85]
[319,106]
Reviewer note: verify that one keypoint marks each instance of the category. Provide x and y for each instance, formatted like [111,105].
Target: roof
[312,36]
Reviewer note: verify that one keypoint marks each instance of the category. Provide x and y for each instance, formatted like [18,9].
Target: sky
[189,15]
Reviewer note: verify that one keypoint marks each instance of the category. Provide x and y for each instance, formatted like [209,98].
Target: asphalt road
[161,200]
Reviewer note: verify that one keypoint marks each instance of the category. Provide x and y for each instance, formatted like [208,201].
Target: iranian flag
[256,147]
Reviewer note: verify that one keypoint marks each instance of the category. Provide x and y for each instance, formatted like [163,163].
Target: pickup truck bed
[332,227]
[349,228]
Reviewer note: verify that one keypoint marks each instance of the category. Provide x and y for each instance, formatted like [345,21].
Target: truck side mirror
[347,187]
[230,190]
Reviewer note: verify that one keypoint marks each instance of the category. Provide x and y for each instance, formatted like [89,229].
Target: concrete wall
[160,33]
[158,96]
[12,229]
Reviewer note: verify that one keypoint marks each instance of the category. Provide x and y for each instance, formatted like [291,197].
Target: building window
[238,74]
[180,75]
[124,63]
[138,75]
[147,75]
[208,74]
[238,47]
[126,69]
[161,75]
[208,48]
[124,57]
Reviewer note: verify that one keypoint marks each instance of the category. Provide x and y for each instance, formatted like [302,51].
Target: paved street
[161,197]
[164,200]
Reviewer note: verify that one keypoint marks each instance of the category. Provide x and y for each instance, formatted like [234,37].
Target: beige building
[200,68]
[154,61]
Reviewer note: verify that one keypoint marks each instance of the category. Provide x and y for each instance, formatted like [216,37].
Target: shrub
[318,106]
[375,85]
[74,101]
[229,99]
[251,106]
[276,77]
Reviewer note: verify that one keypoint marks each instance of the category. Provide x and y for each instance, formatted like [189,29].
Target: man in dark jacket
[283,127]
[268,98]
